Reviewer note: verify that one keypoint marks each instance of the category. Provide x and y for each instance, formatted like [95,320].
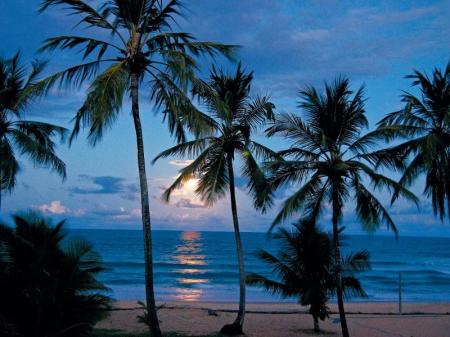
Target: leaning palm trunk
[339,291]
[146,225]
[236,327]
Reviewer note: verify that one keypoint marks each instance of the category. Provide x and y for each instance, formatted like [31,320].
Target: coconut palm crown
[234,115]
[143,46]
[423,126]
[143,49]
[329,163]
[19,89]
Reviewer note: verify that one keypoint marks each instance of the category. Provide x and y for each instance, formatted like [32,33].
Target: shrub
[48,284]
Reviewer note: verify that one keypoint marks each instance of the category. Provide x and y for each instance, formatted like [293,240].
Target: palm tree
[234,115]
[305,268]
[425,124]
[328,162]
[20,88]
[143,46]
[48,284]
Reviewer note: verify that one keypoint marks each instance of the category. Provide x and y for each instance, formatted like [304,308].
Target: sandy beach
[286,320]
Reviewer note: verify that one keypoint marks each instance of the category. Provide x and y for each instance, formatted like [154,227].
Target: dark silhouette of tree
[330,163]
[143,51]
[304,266]
[234,115]
[423,126]
[48,285]
[19,89]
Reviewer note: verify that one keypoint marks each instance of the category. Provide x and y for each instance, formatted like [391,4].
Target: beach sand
[286,320]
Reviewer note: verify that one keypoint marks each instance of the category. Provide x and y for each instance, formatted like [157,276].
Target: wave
[209,263]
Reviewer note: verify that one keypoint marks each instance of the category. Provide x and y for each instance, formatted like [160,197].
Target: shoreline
[353,308]
[275,319]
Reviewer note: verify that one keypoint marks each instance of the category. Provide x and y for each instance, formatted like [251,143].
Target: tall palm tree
[328,163]
[20,88]
[424,125]
[304,265]
[142,47]
[234,115]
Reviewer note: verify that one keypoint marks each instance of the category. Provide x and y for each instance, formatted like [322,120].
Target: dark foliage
[305,268]
[423,126]
[48,285]
[19,89]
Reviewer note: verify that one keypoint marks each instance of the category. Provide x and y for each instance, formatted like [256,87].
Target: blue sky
[288,44]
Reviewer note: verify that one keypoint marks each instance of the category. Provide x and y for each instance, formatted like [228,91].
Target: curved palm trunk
[146,225]
[339,291]
[239,321]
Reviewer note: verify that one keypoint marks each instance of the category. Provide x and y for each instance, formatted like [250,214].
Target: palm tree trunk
[239,322]
[146,225]
[316,324]
[339,291]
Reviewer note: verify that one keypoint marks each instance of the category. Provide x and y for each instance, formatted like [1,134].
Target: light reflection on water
[424,261]
[189,252]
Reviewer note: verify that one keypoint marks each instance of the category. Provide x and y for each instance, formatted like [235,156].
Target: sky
[288,44]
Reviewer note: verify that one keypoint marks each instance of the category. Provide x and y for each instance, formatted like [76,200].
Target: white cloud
[125,215]
[180,162]
[57,208]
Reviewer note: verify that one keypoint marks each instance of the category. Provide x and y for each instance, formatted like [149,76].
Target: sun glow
[187,189]
[191,185]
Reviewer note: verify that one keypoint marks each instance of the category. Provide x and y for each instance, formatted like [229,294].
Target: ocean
[201,266]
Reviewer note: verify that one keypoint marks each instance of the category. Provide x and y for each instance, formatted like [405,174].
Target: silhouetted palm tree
[234,115]
[48,285]
[18,136]
[305,268]
[143,49]
[328,161]
[424,124]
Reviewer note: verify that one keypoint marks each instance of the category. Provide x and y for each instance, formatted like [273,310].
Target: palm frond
[72,77]
[352,287]
[36,143]
[356,261]
[214,176]
[188,172]
[89,15]
[177,109]
[294,203]
[187,149]
[258,112]
[381,181]
[9,167]
[273,287]
[102,104]
[370,211]
[256,182]
[87,44]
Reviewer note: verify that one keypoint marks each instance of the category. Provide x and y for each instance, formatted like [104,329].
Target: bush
[48,285]
[305,268]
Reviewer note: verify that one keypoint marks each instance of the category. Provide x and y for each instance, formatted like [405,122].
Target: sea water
[202,266]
